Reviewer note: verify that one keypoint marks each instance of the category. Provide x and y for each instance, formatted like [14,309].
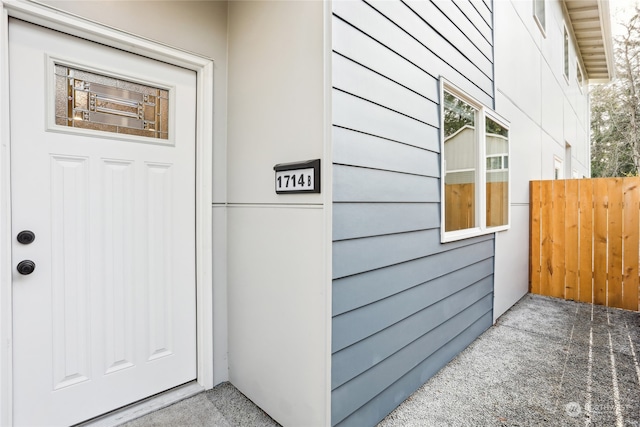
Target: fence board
[571,254]
[534,240]
[614,243]
[601,201]
[630,281]
[546,244]
[557,236]
[585,240]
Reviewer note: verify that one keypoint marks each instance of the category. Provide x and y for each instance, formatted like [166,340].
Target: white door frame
[203,67]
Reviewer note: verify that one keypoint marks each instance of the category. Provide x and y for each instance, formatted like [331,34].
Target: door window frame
[203,67]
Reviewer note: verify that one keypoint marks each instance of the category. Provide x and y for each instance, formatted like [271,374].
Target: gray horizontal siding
[368,151]
[392,35]
[378,407]
[442,48]
[403,303]
[475,18]
[356,220]
[484,9]
[360,255]
[351,396]
[359,47]
[356,359]
[356,325]
[473,35]
[478,53]
[364,116]
[373,185]
[350,293]
[363,83]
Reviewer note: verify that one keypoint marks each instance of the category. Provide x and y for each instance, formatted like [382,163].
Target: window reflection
[460,163]
[497,174]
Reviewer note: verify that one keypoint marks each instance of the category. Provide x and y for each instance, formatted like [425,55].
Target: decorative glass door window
[92,101]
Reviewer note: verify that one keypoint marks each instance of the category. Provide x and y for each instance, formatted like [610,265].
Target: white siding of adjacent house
[546,113]
[278,277]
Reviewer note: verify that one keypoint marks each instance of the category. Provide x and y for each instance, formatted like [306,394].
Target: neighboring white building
[138,142]
[547,54]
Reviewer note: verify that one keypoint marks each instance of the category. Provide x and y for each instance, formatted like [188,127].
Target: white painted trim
[6,348]
[58,20]
[579,76]
[327,188]
[542,28]
[558,165]
[566,55]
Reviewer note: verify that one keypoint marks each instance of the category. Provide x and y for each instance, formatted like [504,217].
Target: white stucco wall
[546,112]
[279,271]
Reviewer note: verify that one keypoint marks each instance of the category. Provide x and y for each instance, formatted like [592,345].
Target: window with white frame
[568,159]
[557,168]
[475,164]
[565,52]
[579,75]
[539,14]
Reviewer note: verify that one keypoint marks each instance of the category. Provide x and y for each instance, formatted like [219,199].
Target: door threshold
[144,407]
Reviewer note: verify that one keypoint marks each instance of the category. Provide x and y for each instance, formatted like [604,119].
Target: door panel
[108,316]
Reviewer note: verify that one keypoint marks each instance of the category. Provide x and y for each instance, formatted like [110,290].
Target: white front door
[104,177]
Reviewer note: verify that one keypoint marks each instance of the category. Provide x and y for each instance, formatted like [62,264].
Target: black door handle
[26,267]
[26,236]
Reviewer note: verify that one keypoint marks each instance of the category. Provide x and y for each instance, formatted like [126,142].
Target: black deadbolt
[26,236]
[26,267]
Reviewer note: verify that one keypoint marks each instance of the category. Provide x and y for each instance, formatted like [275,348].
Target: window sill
[453,236]
[540,26]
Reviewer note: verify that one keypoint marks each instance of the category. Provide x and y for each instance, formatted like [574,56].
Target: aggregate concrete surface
[223,406]
[546,362]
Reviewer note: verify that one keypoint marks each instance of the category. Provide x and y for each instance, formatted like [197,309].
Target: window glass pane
[460,141]
[92,101]
[494,163]
[579,76]
[538,10]
[566,53]
[497,147]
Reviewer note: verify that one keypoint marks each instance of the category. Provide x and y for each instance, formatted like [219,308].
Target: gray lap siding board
[403,303]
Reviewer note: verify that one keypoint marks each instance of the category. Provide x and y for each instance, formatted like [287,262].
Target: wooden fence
[584,241]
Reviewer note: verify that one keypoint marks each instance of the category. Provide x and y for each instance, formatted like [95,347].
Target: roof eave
[605,19]
[590,25]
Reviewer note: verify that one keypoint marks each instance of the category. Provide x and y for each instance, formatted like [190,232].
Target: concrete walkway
[547,362]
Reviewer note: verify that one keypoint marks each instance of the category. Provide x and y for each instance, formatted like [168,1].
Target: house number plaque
[298,177]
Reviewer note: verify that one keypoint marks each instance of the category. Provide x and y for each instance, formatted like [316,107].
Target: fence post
[534,237]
